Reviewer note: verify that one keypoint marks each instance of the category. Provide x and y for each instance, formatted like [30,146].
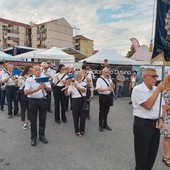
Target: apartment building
[83,45]
[13,34]
[56,33]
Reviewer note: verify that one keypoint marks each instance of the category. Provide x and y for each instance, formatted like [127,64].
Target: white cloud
[83,14]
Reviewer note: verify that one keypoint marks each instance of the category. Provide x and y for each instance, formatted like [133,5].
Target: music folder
[16,72]
[42,79]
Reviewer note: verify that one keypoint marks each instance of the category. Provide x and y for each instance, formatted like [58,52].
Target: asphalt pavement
[108,150]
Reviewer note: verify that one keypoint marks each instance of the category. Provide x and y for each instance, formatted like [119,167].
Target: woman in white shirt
[78,93]
[59,80]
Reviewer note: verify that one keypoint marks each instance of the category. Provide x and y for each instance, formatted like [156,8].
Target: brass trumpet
[70,83]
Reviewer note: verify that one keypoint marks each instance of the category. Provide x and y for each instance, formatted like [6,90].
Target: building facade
[55,33]
[14,33]
[83,45]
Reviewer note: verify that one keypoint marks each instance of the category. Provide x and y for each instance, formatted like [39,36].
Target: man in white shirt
[105,88]
[37,101]
[146,103]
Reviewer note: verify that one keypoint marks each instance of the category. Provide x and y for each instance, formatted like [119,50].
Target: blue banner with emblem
[162,31]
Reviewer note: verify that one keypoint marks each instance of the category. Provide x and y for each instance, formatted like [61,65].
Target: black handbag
[86,102]
[86,105]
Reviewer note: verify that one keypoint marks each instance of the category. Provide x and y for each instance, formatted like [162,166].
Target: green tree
[130,52]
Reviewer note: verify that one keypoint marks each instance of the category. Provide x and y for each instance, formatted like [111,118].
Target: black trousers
[11,94]
[24,106]
[79,116]
[49,100]
[146,142]
[38,107]
[3,94]
[59,97]
[104,107]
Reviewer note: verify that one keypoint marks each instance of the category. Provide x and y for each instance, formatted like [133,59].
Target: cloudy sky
[110,23]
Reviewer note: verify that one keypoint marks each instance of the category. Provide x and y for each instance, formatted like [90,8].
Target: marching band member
[105,88]
[88,80]
[11,90]
[37,101]
[45,72]
[27,72]
[59,80]
[78,92]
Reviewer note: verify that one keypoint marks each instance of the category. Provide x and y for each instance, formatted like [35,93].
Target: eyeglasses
[153,76]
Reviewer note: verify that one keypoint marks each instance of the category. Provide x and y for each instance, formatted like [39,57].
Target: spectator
[132,82]
[139,78]
[146,102]
[120,79]
[105,64]
[165,131]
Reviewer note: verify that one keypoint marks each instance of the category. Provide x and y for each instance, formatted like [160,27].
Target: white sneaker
[24,126]
[29,125]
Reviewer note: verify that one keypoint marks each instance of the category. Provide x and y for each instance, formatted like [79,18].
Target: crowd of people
[34,88]
[64,85]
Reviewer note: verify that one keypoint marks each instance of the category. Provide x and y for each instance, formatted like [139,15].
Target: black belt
[10,85]
[104,94]
[37,99]
[145,120]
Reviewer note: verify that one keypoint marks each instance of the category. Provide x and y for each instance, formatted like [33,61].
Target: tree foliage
[130,52]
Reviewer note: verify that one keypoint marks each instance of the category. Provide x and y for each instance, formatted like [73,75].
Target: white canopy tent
[30,54]
[112,56]
[55,54]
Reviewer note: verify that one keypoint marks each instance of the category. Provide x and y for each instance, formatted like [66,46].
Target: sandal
[78,134]
[165,160]
[83,133]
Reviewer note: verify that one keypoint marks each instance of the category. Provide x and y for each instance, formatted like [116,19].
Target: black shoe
[43,140]
[9,116]
[33,142]
[50,111]
[107,127]
[100,128]
[17,115]
[58,121]
[88,117]
[130,102]
[65,121]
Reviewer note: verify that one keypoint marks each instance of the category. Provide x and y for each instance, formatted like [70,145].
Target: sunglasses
[153,76]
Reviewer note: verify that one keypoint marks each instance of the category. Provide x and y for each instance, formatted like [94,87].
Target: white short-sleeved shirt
[31,83]
[74,92]
[59,75]
[10,81]
[51,72]
[140,94]
[2,72]
[101,84]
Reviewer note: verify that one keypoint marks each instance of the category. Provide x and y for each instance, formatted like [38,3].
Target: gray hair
[105,69]
[77,73]
[145,72]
